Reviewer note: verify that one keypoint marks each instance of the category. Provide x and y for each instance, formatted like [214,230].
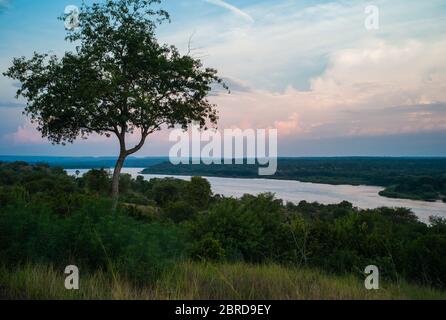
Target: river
[365,197]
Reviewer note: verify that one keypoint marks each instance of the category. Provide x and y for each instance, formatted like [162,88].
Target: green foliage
[163,220]
[246,230]
[179,211]
[199,193]
[208,249]
[41,222]
[168,190]
[336,238]
[125,183]
[118,80]
[91,237]
[97,181]
[426,259]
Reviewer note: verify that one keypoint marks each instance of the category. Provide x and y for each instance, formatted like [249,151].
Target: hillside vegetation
[168,235]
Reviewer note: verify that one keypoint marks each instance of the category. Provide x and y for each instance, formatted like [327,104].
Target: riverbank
[364,197]
[422,178]
[403,178]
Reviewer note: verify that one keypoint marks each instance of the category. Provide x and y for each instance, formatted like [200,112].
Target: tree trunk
[115,182]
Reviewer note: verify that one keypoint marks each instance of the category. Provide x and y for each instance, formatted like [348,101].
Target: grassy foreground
[201,281]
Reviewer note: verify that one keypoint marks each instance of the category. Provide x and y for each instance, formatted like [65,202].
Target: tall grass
[199,281]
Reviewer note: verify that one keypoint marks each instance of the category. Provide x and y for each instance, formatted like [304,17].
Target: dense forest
[52,219]
[405,178]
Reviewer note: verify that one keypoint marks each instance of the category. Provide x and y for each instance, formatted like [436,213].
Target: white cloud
[380,74]
[378,89]
[231,8]
[290,43]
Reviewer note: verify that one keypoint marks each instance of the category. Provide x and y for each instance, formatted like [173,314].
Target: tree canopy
[118,81]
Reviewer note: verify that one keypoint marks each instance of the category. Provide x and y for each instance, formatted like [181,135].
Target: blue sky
[309,68]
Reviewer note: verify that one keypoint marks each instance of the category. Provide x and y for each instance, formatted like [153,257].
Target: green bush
[199,193]
[97,181]
[91,237]
[246,230]
[179,211]
[426,260]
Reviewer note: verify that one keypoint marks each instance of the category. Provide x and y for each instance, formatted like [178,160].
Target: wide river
[365,197]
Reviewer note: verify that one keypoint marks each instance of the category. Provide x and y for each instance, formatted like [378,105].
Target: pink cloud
[290,126]
[364,90]
[26,134]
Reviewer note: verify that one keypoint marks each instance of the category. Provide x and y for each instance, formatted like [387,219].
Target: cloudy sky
[308,68]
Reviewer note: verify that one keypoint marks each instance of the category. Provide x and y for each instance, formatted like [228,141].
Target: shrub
[246,230]
[426,260]
[199,193]
[91,237]
[179,211]
[97,181]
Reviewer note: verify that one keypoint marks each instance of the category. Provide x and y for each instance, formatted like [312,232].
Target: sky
[310,69]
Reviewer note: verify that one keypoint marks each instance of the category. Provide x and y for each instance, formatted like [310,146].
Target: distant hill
[85,162]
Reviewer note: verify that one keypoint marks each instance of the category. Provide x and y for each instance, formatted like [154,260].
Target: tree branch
[144,134]
[100,129]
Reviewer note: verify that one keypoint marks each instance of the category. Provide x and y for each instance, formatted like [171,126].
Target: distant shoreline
[414,178]
[421,179]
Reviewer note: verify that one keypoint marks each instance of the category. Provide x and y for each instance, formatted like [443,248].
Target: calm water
[365,197]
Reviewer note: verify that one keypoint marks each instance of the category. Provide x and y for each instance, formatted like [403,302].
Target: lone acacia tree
[119,80]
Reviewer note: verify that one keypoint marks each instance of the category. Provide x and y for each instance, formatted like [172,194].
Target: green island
[404,178]
[174,239]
